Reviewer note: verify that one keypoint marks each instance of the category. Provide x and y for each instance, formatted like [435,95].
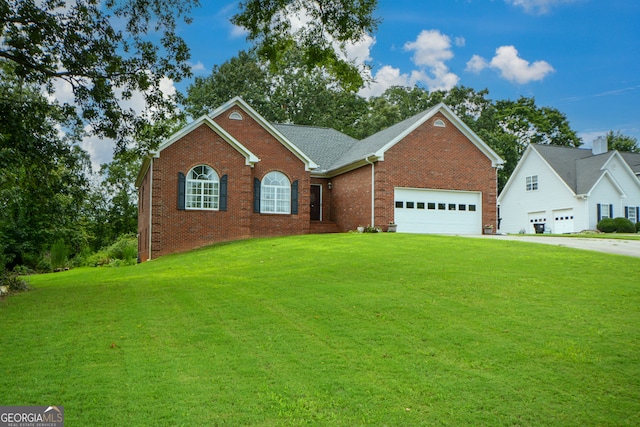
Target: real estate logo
[31,416]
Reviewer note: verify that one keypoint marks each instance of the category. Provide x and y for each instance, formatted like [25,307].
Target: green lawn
[345,329]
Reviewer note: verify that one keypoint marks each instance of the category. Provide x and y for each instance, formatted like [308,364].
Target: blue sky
[581,57]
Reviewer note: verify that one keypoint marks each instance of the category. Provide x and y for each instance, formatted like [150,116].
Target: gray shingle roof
[332,149]
[324,146]
[578,167]
[633,160]
[375,142]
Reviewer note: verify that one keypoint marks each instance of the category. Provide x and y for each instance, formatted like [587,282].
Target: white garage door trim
[433,211]
[563,221]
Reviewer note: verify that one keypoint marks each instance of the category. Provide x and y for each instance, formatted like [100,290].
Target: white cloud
[430,51]
[460,41]
[238,32]
[197,67]
[538,7]
[385,77]
[476,64]
[430,48]
[511,66]
[516,69]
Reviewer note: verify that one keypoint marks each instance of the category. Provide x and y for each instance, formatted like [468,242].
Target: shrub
[123,251]
[59,254]
[623,225]
[637,227]
[125,248]
[13,282]
[606,225]
[616,225]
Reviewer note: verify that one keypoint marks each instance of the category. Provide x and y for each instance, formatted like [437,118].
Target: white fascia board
[237,101]
[146,163]
[250,158]
[625,165]
[496,160]
[512,177]
[553,171]
[607,174]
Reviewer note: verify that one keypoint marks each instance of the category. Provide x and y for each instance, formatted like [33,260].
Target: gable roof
[336,152]
[326,151]
[250,158]
[580,169]
[240,103]
[325,146]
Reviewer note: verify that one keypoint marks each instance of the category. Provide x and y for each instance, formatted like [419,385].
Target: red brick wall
[436,158]
[180,230]
[351,199]
[273,157]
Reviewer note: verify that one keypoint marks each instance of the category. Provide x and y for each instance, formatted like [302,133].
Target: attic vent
[439,123]
[235,116]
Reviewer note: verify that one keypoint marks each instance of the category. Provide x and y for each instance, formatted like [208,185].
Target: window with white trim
[275,193]
[632,213]
[202,188]
[532,182]
[604,211]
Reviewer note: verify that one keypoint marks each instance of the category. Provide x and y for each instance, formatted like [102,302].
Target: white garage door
[438,211]
[563,221]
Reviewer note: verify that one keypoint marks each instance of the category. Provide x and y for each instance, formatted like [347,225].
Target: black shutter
[294,198]
[223,193]
[256,195]
[599,206]
[626,212]
[610,211]
[181,190]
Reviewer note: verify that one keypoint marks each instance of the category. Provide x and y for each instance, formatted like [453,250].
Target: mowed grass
[336,330]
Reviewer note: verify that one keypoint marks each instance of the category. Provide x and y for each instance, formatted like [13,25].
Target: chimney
[599,146]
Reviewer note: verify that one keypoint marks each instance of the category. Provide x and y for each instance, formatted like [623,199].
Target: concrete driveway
[611,246]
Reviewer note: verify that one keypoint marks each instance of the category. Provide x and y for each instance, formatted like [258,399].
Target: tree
[620,142]
[105,51]
[42,174]
[291,94]
[321,40]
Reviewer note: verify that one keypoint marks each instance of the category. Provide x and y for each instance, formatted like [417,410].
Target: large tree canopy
[326,27]
[105,51]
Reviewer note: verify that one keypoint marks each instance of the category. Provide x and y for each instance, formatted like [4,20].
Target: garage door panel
[438,211]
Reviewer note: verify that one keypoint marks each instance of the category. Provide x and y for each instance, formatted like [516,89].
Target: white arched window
[275,193]
[202,188]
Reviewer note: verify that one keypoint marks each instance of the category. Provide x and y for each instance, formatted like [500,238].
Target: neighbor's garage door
[563,221]
[438,211]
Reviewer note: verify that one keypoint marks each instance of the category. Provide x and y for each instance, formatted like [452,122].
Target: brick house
[232,175]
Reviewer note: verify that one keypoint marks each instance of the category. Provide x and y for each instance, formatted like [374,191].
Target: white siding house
[567,190]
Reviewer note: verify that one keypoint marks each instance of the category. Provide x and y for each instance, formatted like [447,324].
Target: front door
[316,203]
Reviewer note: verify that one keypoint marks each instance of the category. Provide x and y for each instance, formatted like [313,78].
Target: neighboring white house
[566,190]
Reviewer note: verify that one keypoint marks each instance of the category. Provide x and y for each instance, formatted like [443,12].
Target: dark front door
[315,203]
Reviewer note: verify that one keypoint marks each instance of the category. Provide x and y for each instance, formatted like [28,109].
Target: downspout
[373,190]
[150,207]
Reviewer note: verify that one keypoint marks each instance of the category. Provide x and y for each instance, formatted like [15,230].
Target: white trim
[496,161]
[530,148]
[239,102]
[150,208]
[373,190]
[624,163]
[320,201]
[250,158]
[607,174]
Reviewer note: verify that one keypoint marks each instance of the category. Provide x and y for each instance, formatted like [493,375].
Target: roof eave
[238,101]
